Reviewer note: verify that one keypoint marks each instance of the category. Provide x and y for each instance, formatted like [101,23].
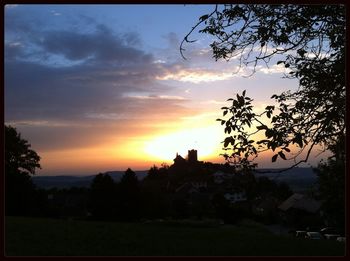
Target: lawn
[51,237]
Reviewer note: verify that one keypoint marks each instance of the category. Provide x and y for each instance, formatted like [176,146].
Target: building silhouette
[192,156]
[179,160]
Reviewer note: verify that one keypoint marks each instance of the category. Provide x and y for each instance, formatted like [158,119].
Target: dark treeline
[179,191]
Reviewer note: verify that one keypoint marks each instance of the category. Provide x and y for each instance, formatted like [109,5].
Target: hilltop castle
[191,158]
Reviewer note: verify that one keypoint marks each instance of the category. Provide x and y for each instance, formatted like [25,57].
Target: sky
[95,88]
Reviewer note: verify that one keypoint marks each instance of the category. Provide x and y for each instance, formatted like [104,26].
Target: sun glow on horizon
[205,140]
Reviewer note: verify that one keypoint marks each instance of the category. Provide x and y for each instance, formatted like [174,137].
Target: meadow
[57,237]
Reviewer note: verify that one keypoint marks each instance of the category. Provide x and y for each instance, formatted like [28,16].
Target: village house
[301,210]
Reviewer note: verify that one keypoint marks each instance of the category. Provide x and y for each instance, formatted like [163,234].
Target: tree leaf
[282,155]
[204,17]
[286,149]
[273,146]
[298,140]
[254,150]
[241,100]
[269,133]
[227,141]
[274,158]
[228,129]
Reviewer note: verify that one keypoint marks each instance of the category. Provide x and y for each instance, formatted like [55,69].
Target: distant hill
[291,174]
[299,179]
[61,182]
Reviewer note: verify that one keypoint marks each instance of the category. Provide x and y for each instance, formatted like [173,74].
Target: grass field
[51,237]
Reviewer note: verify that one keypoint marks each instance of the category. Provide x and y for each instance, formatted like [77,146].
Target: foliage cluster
[309,41]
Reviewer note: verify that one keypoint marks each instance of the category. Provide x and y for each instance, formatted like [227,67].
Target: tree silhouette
[331,179]
[308,40]
[19,157]
[129,181]
[155,173]
[129,196]
[154,197]
[102,198]
[20,163]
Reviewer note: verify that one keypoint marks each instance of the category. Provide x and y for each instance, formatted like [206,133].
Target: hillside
[299,179]
[61,182]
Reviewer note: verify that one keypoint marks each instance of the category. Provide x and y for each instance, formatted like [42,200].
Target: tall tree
[308,40]
[102,198]
[129,180]
[20,163]
[129,196]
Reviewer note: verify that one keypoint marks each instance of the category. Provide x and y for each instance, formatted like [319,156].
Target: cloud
[13,50]
[132,39]
[108,116]
[66,74]
[96,74]
[215,102]
[156,97]
[159,61]
[54,13]
[172,40]
[194,75]
[101,45]
[42,123]
[36,92]
[55,137]
[19,23]
[84,39]
[66,87]
[201,116]
[276,68]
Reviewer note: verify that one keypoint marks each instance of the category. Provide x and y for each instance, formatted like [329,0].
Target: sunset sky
[103,87]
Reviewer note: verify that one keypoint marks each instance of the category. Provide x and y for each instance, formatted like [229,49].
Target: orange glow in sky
[94,89]
[205,140]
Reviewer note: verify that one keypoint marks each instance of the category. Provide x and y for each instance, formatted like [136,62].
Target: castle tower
[192,156]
